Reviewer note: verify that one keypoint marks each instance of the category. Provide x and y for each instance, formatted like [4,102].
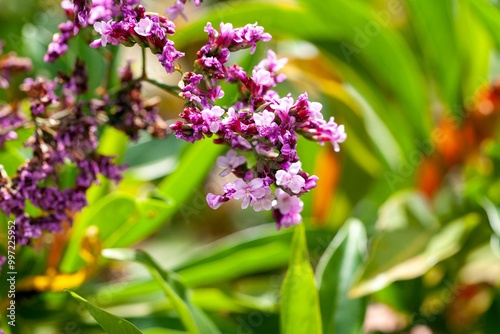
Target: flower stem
[174,90]
[144,74]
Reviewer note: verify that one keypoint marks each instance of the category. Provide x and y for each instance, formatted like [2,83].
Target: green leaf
[109,322]
[476,59]
[151,215]
[410,252]
[490,17]
[253,250]
[434,25]
[151,158]
[370,38]
[161,331]
[299,296]
[10,160]
[191,171]
[113,143]
[335,275]
[192,318]
[108,214]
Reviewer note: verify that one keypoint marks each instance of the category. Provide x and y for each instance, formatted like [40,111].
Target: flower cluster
[135,26]
[65,141]
[10,117]
[261,123]
[80,14]
[261,128]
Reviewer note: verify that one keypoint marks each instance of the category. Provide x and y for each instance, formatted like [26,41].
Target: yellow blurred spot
[90,250]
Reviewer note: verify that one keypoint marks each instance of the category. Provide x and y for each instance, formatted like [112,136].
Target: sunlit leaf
[252,250]
[490,17]
[299,295]
[335,275]
[435,28]
[193,167]
[192,318]
[108,214]
[109,322]
[151,215]
[410,252]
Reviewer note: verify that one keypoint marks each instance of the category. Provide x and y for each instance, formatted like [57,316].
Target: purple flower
[144,27]
[272,63]
[290,179]
[262,77]
[211,118]
[215,201]
[265,119]
[265,202]
[249,192]
[176,10]
[287,209]
[106,31]
[229,162]
[168,56]
[248,36]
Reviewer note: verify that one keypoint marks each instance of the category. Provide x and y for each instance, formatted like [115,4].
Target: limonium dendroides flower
[261,128]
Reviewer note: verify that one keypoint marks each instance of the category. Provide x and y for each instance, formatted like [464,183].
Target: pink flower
[265,202]
[262,77]
[249,192]
[315,110]
[215,201]
[176,10]
[229,162]
[287,209]
[290,179]
[106,30]
[265,119]
[144,27]
[272,63]
[211,117]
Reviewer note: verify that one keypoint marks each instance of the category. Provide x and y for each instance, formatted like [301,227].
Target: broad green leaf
[109,322]
[151,215]
[299,305]
[192,318]
[369,38]
[122,221]
[410,252]
[406,208]
[193,167]
[253,250]
[335,275]
[493,214]
[150,158]
[161,331]
[10,160]
[434,25]
[108,214]
[476,59]
[490,17]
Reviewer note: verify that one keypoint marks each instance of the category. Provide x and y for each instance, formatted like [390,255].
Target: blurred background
[403,230]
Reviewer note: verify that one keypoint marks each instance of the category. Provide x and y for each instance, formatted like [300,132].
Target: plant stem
[174,90]
[144,75]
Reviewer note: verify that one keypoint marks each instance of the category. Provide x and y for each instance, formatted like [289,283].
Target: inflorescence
[260,128]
